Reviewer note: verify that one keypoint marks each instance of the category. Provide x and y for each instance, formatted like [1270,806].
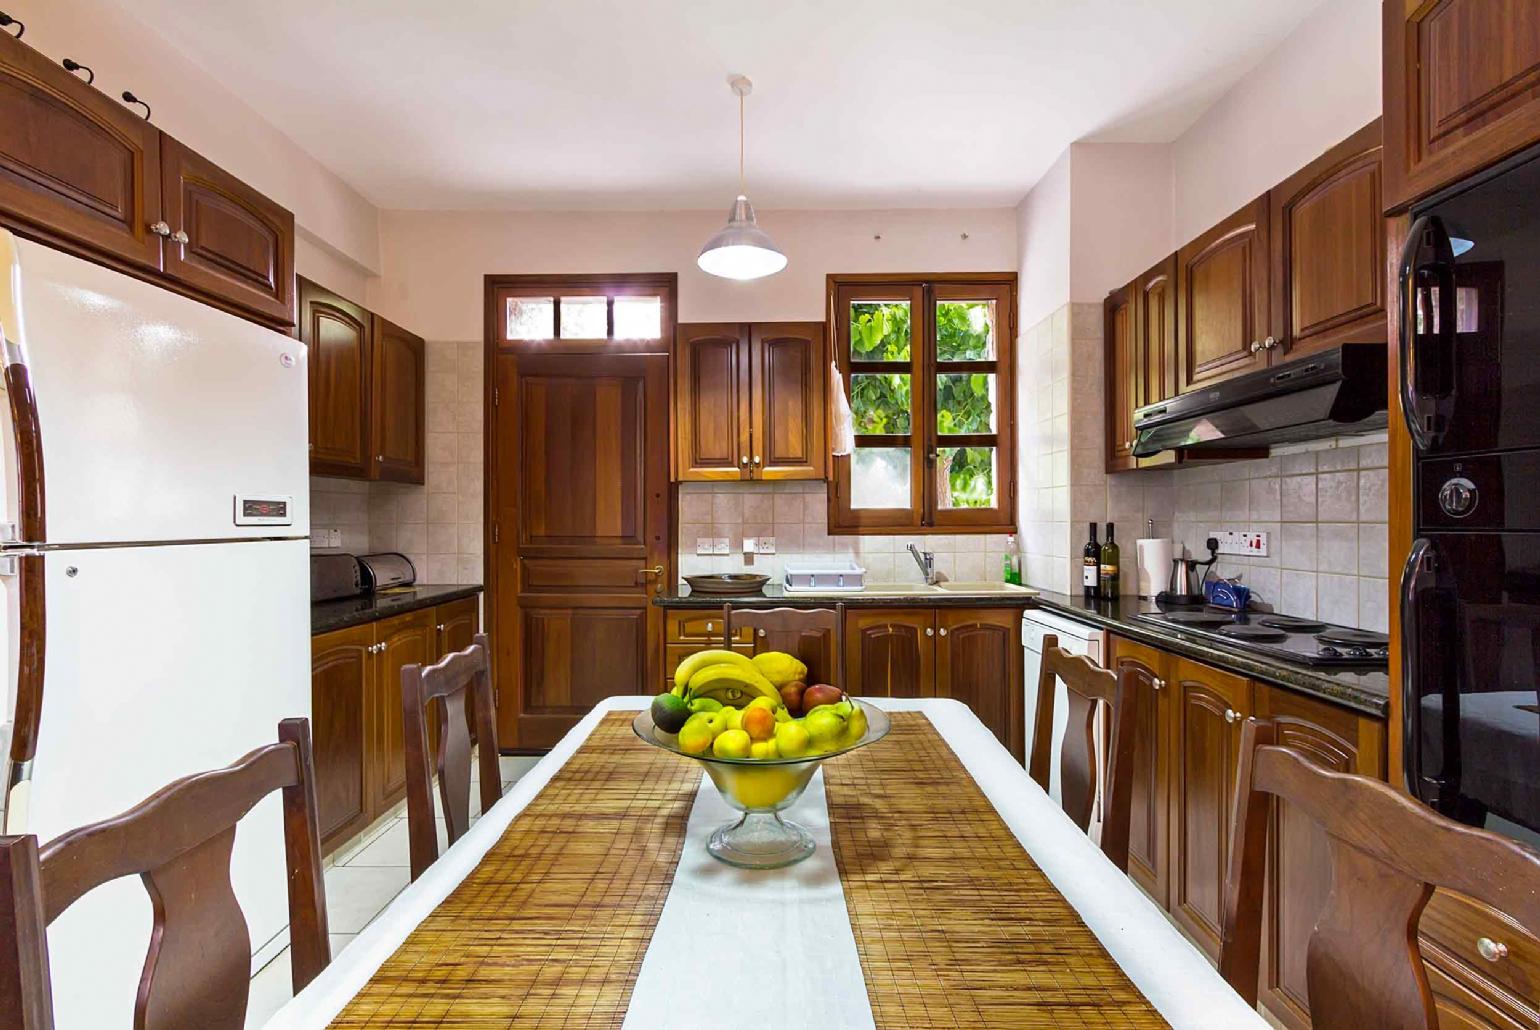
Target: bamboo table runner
[954,923]
[551,927]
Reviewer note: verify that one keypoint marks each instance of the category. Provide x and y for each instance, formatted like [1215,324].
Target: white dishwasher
[1076,638]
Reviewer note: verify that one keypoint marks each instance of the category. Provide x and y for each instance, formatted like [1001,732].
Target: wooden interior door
[74,163]
[978,662]
[1222,297]
[337,333]
[789,372]
[890,652]
[1149,819]
[238,246]
[1210,707]
[1122,380]
[580,535]
[399,408]
[340,683]
[1328,241]
[711,402]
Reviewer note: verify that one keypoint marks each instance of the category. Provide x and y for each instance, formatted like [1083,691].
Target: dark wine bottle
[1108,584]
[1090,566]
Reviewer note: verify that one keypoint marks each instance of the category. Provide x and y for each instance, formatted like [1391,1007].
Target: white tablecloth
[766,927]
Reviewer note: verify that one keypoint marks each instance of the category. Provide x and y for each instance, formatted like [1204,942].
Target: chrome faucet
[926,560]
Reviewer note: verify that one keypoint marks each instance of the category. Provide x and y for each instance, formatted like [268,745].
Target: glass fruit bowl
[761,788]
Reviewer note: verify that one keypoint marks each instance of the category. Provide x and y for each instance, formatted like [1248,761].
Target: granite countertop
[354,611]
[1366,691]
[773,595]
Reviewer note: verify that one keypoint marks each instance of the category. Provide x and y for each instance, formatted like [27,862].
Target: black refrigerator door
[1471,633]
[1470,302]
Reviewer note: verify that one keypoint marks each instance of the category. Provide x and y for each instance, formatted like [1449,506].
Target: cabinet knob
[743,460]
[942,631]
[1270,343]
[379,457]
[1492,951]
[1158,684]
[929,632]
[710,627]
[756,459]
[439,627]
[1231,715]
[761,633]
[160,228]
[179,237]
[1256,346]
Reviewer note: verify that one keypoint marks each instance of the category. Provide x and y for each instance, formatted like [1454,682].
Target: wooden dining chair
[445,684]
[1087,686]
[814,635]
[1388,853]
[178,841]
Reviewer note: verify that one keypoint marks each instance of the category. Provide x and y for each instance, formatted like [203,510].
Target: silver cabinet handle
[439,627]
[942,631]
[1231,715]
[1158,683]
[761,633]
[756,459]
[710,626]
[179,237]
[1492,951]
[743,460]
[1256,346]
[1270,343]
[160,228]
[929,632]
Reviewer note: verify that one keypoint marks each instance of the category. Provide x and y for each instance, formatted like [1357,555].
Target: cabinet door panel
[711,402]
[788,399]
[240,244]
[1122,380]
[458,623]
[1222,300]
[890,653]
[1328,239]
[978,662]
[409,639]
[1210,706]
[1149,820]
[339,335]
[75,164]
[1462,89]
[340,682]
[399,405]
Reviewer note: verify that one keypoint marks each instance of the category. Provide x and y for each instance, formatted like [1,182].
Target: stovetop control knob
[1327,651]
[1358,652]
[1458,497]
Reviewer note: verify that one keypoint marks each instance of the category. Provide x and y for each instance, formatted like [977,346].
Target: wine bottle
[1090,566]
[1109,567]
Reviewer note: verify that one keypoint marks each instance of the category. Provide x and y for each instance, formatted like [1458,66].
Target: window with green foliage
[926,366]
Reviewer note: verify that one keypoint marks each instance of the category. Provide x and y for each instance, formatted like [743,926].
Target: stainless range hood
[1334,393]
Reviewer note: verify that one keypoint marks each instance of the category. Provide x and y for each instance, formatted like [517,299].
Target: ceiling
[623,104]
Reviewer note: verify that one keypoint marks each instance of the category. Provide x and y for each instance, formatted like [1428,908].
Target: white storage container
[847,577]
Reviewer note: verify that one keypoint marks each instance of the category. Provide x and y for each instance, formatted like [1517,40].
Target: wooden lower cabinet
[978,662]
[1469,988]
[890,652]
[1148,845]
[356,718]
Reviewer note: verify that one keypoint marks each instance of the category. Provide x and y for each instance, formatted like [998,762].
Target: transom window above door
[926,365]
[577,308]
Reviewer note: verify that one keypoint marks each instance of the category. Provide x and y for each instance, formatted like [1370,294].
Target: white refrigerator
[155,565]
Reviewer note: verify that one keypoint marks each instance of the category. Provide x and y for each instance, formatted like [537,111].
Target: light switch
[703,545]
[748,545]
[719,545]
[766,545]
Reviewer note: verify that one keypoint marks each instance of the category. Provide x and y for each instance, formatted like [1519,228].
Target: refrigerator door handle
[1427,261]
[27,436]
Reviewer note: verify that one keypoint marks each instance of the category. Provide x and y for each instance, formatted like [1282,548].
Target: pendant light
[741,250]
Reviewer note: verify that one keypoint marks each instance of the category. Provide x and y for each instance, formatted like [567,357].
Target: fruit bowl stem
[761,840]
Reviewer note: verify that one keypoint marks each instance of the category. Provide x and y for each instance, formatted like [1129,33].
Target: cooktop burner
[1288,638]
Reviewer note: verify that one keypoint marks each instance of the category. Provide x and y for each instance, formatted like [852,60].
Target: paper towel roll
[1154,560]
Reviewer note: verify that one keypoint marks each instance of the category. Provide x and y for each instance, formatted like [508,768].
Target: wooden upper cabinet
[1122,380]
[978,662]
[239,245]
[339,335]
[1154,300]
[711,402]
[76,167]
[789,370]
[1328,239]
[890,652]
[398,403]
[1222,300]
[1462,89]
[1149,820]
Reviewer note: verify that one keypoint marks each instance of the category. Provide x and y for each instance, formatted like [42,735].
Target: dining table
[946,889]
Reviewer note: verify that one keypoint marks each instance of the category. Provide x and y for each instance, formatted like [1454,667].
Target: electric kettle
[1187,576]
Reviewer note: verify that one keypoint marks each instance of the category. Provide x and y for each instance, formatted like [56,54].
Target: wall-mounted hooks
[965,237]
[72,65]
[129,98]
[877,236]
[6,21]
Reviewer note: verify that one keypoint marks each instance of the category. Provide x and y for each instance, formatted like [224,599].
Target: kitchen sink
[983,587]
[899,589]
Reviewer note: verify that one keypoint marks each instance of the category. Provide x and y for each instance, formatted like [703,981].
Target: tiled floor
[362,877]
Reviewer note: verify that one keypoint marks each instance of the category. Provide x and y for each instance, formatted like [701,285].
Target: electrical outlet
[719,545]
[1252,545]
[766,545]
[703,545]
[333,538]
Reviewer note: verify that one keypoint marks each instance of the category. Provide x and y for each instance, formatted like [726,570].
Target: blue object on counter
[1227,593]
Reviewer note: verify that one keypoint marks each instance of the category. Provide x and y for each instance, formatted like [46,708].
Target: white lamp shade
[741,250]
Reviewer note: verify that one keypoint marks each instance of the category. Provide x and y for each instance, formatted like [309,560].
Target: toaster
[386,570]
[335,575]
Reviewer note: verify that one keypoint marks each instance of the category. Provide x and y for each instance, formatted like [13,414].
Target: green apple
[792,739]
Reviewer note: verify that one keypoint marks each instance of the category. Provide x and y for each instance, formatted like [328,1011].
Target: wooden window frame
[923,291]
[502,288]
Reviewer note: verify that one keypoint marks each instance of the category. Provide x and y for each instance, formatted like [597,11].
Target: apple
[791,695]
[820,694]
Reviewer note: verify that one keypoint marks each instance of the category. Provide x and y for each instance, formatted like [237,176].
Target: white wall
[192,104]
[1121,197]
[1043,245]
[1319,85]
[434,261]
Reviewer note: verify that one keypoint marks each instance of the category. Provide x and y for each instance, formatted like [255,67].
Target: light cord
[740,145]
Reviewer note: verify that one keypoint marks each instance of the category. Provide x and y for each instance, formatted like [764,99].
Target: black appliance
[1470,592]
[1337,392]
[1285,637]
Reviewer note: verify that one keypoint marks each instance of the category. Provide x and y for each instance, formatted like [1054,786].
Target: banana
[732,685]
[701,659]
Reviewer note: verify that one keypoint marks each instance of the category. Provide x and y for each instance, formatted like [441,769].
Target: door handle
[657,572]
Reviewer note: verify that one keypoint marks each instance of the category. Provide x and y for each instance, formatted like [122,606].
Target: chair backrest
[1388,853]
[178,841]
[1087,685]
[814,635]
[445,683]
